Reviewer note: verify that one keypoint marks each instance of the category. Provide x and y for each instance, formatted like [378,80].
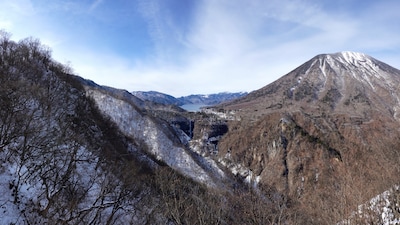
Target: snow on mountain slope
[329,128]
[58,156]
[159,141]
[338,80]
[382,209]
[363,67]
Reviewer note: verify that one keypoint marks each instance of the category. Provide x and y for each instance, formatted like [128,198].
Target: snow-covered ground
[382,209]
[230,115]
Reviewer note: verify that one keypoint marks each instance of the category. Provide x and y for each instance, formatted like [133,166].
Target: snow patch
[230,115]
[354,57]
[383,209]
[238,169]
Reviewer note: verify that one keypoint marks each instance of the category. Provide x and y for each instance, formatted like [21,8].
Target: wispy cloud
[22,7]
[166,36]
[254,44]
[95,4]
[244,46]
[157,30]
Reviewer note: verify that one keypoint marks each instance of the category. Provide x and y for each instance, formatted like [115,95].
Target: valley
[312,147]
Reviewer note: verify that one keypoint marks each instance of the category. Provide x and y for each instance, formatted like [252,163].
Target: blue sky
[183,47]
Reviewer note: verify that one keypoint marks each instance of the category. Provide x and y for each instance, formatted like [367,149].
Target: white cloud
[21,7]
[95,4]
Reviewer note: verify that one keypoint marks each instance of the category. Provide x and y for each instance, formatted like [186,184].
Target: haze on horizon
[201,47]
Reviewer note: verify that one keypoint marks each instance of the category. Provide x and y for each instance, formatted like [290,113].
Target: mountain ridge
[203,99]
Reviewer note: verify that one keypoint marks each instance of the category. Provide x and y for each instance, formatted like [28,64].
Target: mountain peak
[352,57]
[349,58]
[337,80]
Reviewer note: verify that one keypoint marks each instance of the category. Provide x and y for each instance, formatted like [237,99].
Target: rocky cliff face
[329,129]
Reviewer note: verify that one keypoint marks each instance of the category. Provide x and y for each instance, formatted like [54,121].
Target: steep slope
[162,141]
[73,152]
[325,134]
[52,144]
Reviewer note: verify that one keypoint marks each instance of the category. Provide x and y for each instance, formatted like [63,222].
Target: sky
[183,47]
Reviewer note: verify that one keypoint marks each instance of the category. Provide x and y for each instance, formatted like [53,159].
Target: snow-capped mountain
[329,128]
[335,78]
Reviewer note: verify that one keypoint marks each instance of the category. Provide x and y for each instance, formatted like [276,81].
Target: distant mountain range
[211,99]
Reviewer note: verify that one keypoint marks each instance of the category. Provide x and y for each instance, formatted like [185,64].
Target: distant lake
[192,107]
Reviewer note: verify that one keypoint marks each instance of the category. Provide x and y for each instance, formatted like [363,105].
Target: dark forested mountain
[314,147]
[211,99]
